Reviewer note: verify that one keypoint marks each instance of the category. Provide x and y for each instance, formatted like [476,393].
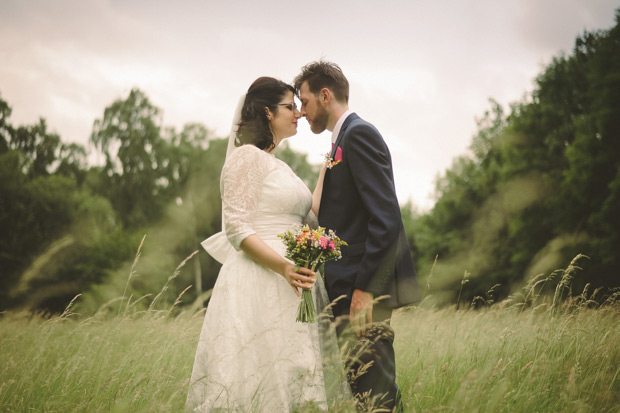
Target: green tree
[48,219]
[542,184]
[71,228]
[38,147]
[5,128]
[137,159]
[299,164]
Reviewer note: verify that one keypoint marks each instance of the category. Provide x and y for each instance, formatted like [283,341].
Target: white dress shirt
[338,125]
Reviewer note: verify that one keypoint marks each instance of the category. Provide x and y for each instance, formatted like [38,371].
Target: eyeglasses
[290,106]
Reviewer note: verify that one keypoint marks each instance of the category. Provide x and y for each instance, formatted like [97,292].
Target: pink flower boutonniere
[337,159]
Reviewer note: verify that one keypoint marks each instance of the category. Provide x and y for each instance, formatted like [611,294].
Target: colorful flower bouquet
[310,248]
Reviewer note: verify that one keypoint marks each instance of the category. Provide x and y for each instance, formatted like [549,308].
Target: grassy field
[499,359]
[504,360]
[528,353]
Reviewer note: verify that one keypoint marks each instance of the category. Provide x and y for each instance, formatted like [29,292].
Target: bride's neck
[271,151]
[276,142]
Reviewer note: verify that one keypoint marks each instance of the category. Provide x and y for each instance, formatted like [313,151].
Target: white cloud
[550,26]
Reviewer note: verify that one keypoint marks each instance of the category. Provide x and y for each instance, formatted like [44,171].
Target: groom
[359,203]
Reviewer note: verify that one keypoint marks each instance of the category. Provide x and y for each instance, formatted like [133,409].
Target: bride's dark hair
[265,92]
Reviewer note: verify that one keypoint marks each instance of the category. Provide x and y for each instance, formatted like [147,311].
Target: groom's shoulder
[361,126]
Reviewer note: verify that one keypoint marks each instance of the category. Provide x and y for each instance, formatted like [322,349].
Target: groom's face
[312,109]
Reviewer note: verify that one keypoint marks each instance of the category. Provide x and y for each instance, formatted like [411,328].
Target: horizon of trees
[542,185]
[71,228]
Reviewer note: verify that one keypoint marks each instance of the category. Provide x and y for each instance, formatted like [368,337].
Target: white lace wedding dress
[252,354]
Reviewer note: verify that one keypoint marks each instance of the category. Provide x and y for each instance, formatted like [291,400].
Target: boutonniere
[337,159]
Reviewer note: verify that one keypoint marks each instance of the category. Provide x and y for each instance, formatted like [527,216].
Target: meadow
[524,354]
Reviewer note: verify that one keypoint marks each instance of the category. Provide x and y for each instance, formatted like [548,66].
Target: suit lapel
[343,129]
[327,180]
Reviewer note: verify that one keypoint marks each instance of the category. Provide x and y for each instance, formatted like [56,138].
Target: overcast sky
[421,71]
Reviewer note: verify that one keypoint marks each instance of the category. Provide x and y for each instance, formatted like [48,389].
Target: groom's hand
[361,311]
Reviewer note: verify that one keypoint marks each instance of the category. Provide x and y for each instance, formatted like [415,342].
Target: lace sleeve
[240,184]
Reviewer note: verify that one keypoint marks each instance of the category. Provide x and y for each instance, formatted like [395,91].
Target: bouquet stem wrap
[306,313]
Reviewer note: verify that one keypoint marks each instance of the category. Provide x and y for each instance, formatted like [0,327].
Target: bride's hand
[263,254]
[299,277]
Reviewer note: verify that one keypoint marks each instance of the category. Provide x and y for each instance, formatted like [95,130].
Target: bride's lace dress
[252,354]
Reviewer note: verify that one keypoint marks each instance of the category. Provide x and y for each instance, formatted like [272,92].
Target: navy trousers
[371,364]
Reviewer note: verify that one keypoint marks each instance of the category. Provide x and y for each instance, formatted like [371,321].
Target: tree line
[541,185]
[70,228]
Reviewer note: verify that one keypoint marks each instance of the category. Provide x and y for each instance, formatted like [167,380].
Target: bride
[252,355]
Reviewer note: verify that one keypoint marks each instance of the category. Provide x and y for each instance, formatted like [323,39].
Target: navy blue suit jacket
[359,203]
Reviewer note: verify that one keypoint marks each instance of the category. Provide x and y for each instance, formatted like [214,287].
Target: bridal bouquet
[310,248]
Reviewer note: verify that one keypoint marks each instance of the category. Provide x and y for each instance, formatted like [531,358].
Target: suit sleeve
[371,167]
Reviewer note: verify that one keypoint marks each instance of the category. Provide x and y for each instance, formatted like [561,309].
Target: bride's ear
[268,113]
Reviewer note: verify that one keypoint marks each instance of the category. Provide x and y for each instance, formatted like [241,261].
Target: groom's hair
[324,74]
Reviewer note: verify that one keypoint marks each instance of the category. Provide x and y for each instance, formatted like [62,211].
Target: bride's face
[284,121]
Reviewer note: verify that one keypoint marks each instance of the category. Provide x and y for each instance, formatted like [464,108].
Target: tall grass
[118,364]
[504,360]
[530,353]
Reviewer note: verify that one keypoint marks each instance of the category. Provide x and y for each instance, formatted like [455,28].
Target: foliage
[541,184]
[71,228]
[134,176]
[298,162]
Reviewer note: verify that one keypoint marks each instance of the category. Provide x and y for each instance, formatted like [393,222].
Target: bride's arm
[264,255]
[241,182]
[318,190]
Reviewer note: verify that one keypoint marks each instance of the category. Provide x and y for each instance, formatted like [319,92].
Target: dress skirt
[252,354]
